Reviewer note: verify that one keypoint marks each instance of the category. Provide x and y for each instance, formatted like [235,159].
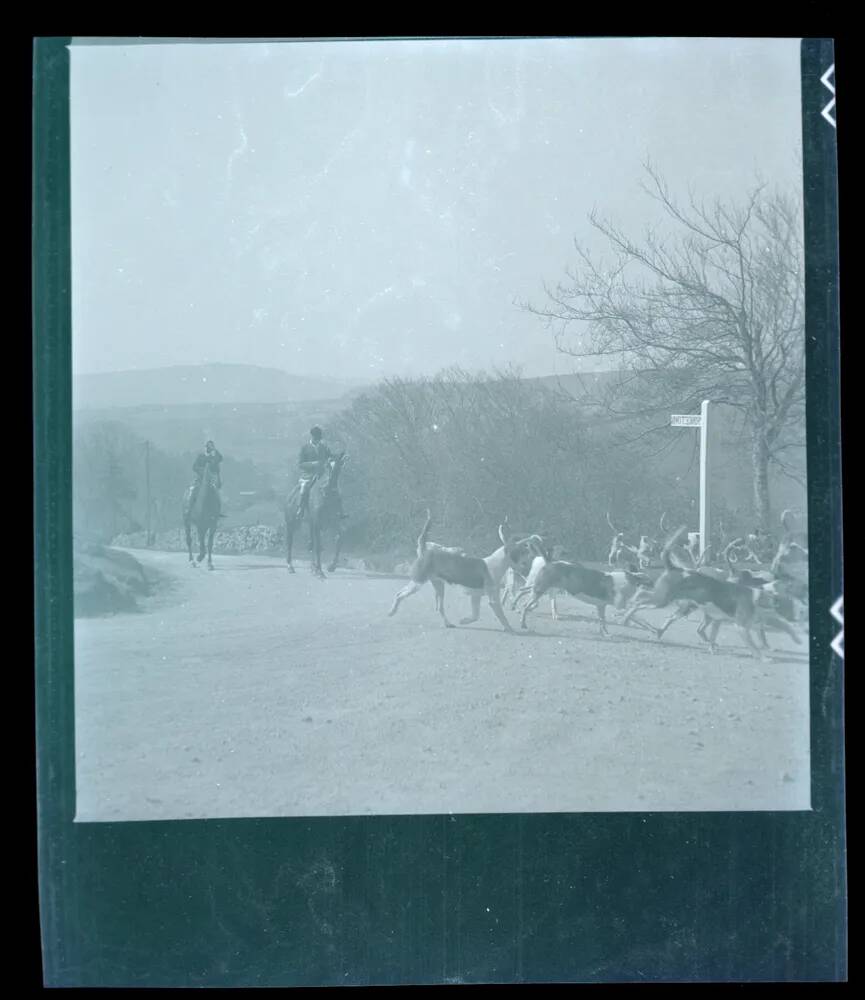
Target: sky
[362,209]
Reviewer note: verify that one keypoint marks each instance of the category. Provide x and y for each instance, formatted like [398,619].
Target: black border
[697,897]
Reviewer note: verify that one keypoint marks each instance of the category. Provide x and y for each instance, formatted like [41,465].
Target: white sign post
[700,420]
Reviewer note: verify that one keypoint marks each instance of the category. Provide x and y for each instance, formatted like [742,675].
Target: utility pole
[147,490]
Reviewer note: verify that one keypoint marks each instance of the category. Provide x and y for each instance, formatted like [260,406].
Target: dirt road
[251,692]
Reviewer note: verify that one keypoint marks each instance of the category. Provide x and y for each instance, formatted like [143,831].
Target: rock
[106,581]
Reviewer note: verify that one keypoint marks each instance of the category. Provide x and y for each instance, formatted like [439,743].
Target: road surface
[249,692]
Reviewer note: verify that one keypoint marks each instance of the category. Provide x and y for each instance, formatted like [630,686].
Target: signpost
[700,420]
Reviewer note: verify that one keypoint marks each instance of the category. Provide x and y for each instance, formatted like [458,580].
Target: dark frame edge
[824,462]
[52,539]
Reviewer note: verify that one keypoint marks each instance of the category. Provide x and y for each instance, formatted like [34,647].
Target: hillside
[269,434]
[216,384]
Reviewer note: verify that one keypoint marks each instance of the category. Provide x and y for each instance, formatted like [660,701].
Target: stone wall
[264,540]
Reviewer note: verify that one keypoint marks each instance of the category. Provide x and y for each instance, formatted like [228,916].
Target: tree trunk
[760,472]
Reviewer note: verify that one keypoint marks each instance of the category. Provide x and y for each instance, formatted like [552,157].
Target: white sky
[360,209]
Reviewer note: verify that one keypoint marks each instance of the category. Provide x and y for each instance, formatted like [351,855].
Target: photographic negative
[439,428]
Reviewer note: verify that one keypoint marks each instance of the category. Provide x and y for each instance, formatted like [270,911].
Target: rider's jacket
[204,460]
[312,453]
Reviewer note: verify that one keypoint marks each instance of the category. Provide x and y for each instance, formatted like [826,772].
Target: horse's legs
[202,543]
[332,567]
[289,538]
[315,532]
[210,536]
[187,525]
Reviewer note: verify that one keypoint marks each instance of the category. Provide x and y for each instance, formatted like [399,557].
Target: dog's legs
[656,632]
[533,603]
[660,631]
[510,588]
[638,601]
[682,611]
[440,594]
[407,591]
[495,604]
[520,595]
[476,609]
[602,618]
[707,630]
[745,629]
[707,626]
[782,625]
[554,611]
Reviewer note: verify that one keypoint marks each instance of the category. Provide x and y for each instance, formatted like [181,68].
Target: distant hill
[202,384]
[269,433]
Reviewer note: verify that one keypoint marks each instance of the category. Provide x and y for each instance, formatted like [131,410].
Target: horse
[325,513]
[204,513]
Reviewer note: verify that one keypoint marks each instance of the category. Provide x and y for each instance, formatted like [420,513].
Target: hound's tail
[671,541]
[422,537]
[726,554]
[537,546]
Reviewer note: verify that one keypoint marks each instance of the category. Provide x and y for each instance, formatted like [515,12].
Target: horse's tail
[422,537]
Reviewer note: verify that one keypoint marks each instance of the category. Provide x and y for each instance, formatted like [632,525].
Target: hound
[588,585]
[778,594]
[732,550]
[769,597]
[618,548]
[693,549]
[514,582]
[477,576]
[791,559]
[528,582]
[646,551]
[721,601]
[455,549]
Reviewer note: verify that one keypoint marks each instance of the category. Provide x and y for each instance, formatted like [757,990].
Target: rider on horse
[207,461]
[313,458]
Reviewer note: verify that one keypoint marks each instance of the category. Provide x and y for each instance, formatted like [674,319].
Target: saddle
[196,485]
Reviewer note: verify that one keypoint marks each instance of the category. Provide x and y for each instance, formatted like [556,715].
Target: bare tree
[712,307]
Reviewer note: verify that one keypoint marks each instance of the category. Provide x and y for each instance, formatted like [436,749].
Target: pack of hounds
[528,569]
